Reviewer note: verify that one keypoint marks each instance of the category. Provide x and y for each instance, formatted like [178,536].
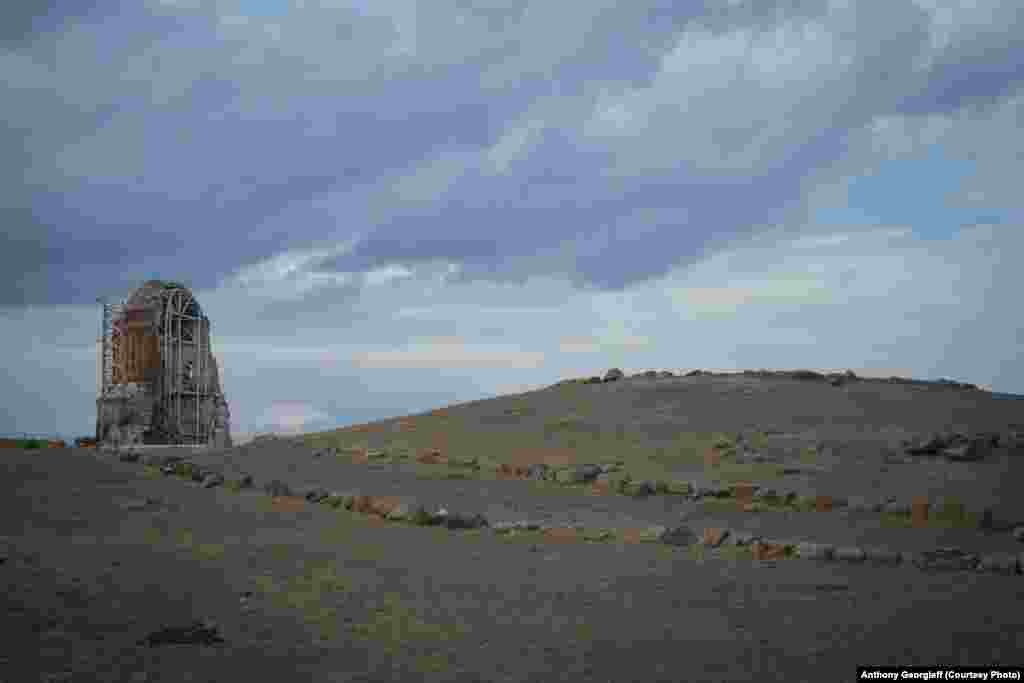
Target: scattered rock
[613,375]
[934,443]
[815,551]
[471,462]
[713,537]
[597,535]
[460,520]
[747,455]
[987,521]
[837,381]
[677,488]
[897,508]
[204,632]
[314,494]
[1018,534]
[278,488]
[639,489]
[653,534]
[680,536]
[850,554]
[346,499]
[998,563]
[134,504]
[579,474]
[945,559]
[1012,441]
[742,539]
[665,374]
[769,550]
[882,556]
[211,480]
[410,511]
[976,449]
[128,456]
[804,375]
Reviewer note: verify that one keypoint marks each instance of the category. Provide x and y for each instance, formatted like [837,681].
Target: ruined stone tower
[159,379]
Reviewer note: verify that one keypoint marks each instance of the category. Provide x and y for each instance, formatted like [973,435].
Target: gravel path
[87,576]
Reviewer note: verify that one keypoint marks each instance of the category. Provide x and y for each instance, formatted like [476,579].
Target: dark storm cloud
[153,140]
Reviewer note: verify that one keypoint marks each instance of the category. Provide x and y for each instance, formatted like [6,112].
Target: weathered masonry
[159,381]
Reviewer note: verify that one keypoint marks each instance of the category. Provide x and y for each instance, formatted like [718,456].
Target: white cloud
[579,345]
[918,309]
[450,354]
[381,276]
[291,417]
[697,110]
[514,145]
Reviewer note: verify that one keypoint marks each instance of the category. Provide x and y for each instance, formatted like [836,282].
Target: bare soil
[97,554]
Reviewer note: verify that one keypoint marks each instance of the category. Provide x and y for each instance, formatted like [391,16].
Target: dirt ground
[97,556]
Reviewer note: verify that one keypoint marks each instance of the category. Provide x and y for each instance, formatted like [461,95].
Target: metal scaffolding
[184,389]
[110,310]
[161,341]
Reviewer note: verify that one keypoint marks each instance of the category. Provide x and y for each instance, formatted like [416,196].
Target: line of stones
[398,510]
[601,477]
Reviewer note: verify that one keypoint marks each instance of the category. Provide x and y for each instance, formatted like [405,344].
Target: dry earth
[97,554]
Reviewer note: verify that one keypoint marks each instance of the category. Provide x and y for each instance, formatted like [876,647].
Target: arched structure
[160,381]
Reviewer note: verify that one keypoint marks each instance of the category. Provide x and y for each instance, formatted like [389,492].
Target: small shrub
[723,443]
[153,535]
[209,551]
[33,444]
[185,538]
[809,455]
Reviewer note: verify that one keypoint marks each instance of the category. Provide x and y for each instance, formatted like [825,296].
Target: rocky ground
[241,568]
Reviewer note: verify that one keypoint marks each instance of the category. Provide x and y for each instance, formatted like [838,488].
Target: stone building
[160,382]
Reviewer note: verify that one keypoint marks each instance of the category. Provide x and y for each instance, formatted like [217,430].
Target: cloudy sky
[386,206]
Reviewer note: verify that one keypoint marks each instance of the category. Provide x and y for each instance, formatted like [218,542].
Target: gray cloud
[607,141]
